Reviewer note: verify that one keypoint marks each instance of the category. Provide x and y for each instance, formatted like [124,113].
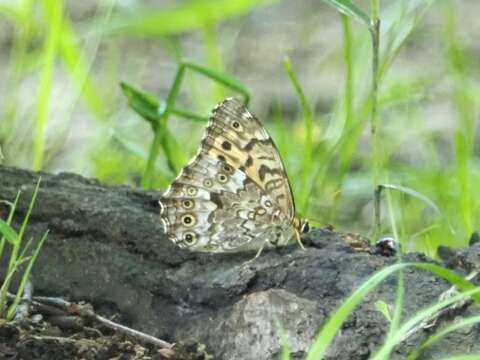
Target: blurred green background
[62,107]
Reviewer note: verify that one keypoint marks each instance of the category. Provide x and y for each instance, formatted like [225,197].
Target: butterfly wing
[234,194]
[237,137]
[213,207]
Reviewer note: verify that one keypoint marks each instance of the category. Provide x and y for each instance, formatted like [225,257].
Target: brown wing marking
[237,137]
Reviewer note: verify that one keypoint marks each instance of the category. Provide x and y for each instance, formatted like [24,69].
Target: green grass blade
[350,9]
[400,293]
[19,53]
[222,78]
[55,9]
[6,285]
[400,20]
[374,8]
[25,276]
[25,249]
[397,313]
[308,148]
[16,246]
[415,194]
[388,346]
[188,16]
[383,308]
[8,233]
[376,133]
[461,283]
[450,276]
[186,114]
[147,105]
[443,332]
[150,109]
[348,59]
[142,102]
[12,206]
[463,155]
[30,209]
[13,14]
[334,323]
[161,138]
[285,350]
[79,68]
[213,52]
[345,109]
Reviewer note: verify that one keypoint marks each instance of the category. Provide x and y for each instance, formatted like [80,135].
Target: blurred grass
[333,325]
[189,15]
[330,152]
[326,150]
[306,166]
[54,12]
[438,335]
[157,114]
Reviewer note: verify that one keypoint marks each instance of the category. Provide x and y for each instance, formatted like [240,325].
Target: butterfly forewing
[235,135]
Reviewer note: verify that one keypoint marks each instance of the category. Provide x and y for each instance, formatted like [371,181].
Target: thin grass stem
[54,11]
[306,169]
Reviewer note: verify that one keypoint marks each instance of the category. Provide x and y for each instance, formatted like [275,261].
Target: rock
[106,247]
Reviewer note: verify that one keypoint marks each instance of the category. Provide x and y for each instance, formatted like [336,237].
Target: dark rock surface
[106,247]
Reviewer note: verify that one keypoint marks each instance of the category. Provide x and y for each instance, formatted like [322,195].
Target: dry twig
[60,307]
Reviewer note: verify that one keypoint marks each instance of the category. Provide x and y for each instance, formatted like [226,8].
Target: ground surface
[30,340]
[106,247]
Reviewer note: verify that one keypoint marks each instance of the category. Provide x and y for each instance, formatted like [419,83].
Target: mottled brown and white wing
[235,136]
[213,207]
[234,194]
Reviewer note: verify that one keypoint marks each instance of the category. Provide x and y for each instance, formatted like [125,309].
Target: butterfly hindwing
[213,207]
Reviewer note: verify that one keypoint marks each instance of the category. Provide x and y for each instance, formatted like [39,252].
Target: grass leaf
[222,78]
[443,332]
[54,11]
[8,232]
[337,318]
[162,137]
[350,9]
[308,147]
[390,343]
[142,102]
[79,68]
[413,193]
[25,276]
[382,307]
[185,17]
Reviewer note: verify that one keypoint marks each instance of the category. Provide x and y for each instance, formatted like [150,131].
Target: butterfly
[234,195]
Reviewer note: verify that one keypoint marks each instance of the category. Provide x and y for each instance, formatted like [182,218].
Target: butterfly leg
[259,252]
[299,240]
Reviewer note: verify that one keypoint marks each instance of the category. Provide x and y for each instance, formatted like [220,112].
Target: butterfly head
[304,226]
[301,225]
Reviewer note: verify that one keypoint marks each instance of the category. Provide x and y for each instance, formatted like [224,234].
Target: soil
[106,247]
[33,339]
